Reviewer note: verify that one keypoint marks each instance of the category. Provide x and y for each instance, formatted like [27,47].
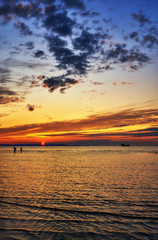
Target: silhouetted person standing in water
[14,149]
[21,149]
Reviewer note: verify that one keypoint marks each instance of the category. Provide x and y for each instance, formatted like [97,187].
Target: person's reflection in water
[14,149]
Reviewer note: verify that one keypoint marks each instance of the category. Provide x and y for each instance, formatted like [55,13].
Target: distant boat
[125,145]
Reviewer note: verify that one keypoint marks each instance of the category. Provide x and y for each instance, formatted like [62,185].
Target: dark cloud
[134,67]
[45,1]
[30,107]
[39,54]
[5,19]
[11,8]
[6,91]
[11,62]
[133,35]
[18,50]
[102,41]
[109,20]
[106,67]
[61,82]
[58,22]
[4,70]
[29,45]
[55,42]
[89,13]
[133,134]
[13,53]
[78,4]
[152,131]
[9,96]
[66,57]
[120,54]
[86,42]
[141,18]
[147,132]
[85,46]
[24,29]
[5,75]
[95,21]
[5,100]
[153,30]
[149,40]
[35,65]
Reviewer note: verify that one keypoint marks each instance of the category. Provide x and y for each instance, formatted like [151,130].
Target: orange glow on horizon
[113,127]
[69,139]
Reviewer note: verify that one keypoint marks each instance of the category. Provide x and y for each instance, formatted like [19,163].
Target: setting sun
[42,143]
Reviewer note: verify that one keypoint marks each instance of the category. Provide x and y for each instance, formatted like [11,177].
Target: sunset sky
[79,72]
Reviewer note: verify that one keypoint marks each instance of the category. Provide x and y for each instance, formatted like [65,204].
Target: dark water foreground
[79,193]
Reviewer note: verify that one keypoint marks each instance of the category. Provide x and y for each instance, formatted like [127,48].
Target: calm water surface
[79,193]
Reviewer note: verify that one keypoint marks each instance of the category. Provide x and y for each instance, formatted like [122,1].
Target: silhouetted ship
[125,145]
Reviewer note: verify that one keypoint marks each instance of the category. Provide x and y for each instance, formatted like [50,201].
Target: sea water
[79,193]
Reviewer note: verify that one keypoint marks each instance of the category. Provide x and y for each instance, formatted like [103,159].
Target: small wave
[97,213]
[22,233]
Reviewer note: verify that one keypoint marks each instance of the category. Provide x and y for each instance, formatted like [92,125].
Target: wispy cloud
[24,29]
[4,115]
[5,100]
[141,18]
[29,45]
[106,125]
[6,91]
[5,75]
[9,96]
